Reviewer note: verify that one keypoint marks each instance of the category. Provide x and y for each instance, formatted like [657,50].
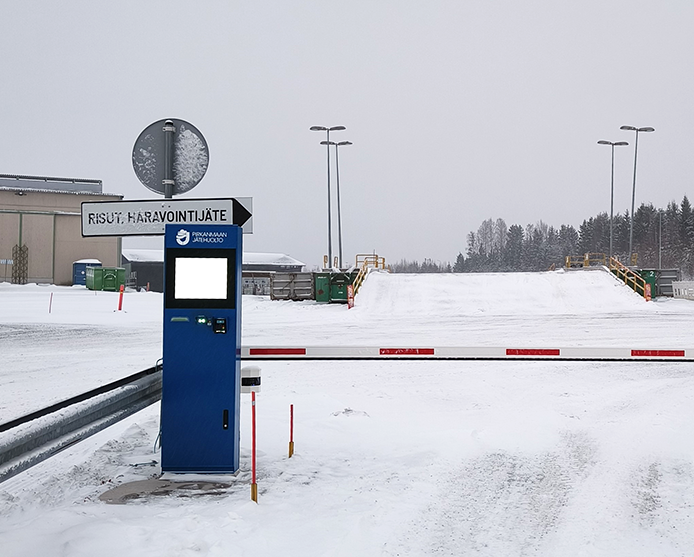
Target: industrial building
[40,228]
[145,269]
[41,239]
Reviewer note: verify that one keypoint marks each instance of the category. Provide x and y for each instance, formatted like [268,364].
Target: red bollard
[120,298]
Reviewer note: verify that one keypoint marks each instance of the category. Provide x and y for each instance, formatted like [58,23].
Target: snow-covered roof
[51,184]
[142,255]
[249,258]
[48,190]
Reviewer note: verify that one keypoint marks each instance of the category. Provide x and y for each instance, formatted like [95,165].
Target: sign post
[203,251]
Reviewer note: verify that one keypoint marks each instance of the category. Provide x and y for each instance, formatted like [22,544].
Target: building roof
[144,255]
[249,258]
[51,184]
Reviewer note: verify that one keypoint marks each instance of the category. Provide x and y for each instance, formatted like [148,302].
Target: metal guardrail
[31,439]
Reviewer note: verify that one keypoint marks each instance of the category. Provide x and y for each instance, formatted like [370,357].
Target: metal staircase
[366,262]
[615,267]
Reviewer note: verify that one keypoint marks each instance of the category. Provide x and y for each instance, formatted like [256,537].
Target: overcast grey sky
[458,111]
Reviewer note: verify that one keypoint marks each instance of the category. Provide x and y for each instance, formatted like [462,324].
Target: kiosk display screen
[200,278]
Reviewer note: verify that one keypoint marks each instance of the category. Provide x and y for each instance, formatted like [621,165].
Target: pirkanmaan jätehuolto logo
[182,237]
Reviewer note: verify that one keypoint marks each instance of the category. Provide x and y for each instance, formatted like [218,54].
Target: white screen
[201,278]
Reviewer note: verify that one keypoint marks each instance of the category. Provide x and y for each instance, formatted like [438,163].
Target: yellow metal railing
[630,278]
[372,260]
[594,259]
[365,262]
[586,260]
[622,272]
[325,262]
[573,261]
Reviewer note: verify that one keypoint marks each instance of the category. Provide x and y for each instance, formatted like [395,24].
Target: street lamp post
[633,190]
[339,212]
[660,239]
[612,144]
[327,131]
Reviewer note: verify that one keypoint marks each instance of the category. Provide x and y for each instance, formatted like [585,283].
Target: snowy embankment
[392,457]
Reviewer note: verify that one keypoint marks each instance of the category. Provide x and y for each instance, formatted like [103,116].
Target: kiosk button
[219,325]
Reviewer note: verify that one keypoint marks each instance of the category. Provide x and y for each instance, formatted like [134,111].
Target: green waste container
[94,278]
[105,278]
[321,282]
[338,286]
[651,278]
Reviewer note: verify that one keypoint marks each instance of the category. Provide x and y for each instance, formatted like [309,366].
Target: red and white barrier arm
[460,353]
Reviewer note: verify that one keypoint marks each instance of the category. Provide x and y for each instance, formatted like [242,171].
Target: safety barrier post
[50,303]
[291,430]
[120,298]
[254,485]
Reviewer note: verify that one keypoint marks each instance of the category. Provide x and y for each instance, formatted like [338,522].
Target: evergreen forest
[663,238]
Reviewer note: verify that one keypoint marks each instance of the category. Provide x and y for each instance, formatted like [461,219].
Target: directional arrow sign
[149,217]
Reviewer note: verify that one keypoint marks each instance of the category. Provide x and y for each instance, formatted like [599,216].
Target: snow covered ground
[514,458]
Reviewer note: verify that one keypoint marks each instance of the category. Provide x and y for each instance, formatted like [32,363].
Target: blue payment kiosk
[202,340]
